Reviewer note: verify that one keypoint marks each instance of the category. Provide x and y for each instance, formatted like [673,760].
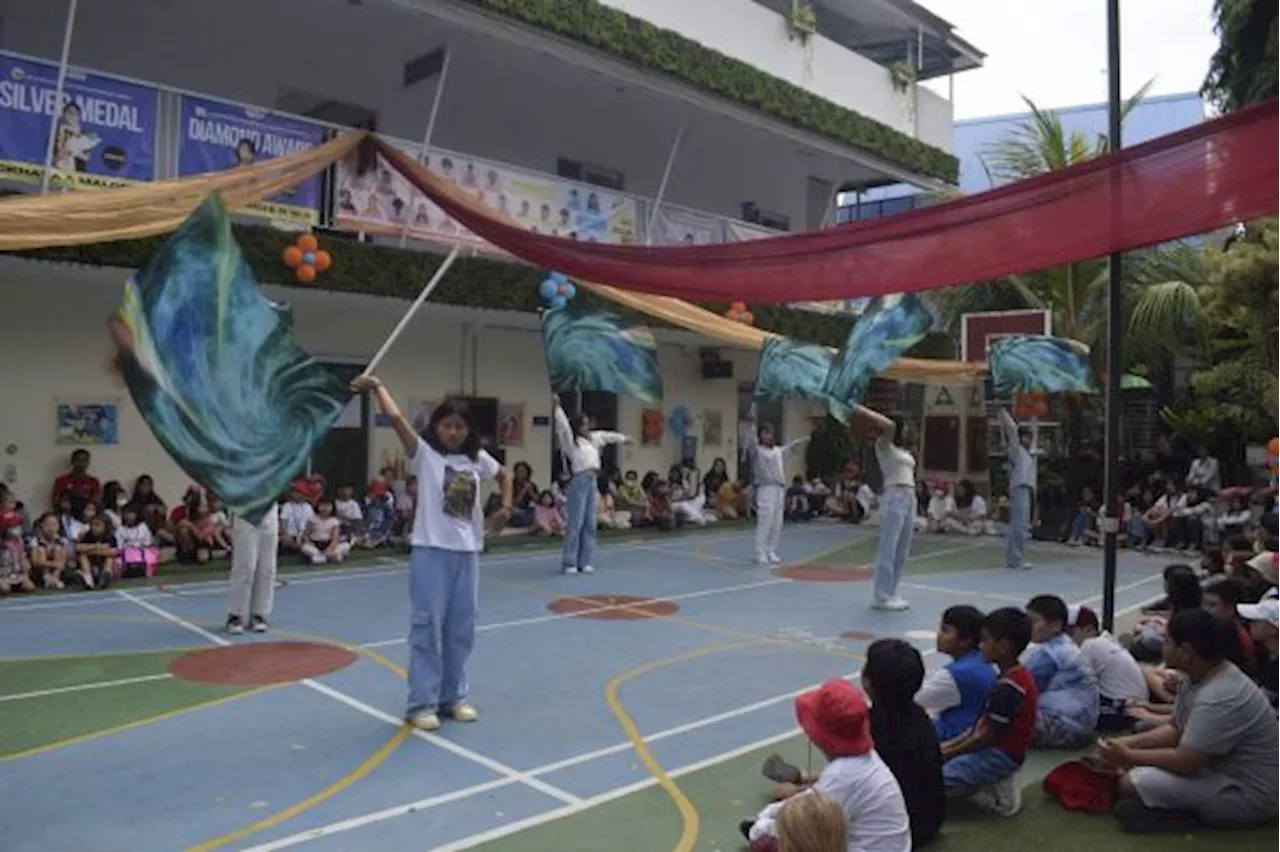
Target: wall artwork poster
[87,424]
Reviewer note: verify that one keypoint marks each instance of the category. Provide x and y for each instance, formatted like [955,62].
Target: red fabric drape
[1190,182]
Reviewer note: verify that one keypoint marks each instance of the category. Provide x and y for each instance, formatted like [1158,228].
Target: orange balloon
[323,261]
[293,257]
[305,274]
[308,242]
[1273,454]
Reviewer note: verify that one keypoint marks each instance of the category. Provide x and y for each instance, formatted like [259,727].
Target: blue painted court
[102,747]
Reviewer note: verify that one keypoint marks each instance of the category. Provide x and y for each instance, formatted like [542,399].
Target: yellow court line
[371,763]
[127,726]
[688,813]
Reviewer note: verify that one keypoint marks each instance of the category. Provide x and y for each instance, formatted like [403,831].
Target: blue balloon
[569,290]
[309,258]
[559,277]
[547,289]
[559,302]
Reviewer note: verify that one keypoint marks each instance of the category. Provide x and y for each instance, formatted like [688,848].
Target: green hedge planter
[642,44]
[401,273]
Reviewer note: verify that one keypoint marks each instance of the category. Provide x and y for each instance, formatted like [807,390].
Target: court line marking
[540,619]
[79,739]
[494,766]
[96,684]
[385,814]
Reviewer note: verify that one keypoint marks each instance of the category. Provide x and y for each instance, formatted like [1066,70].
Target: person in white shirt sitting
[1119,677]
[969,516]
[294,517]
[581,446]
[1159,518]
[1190,519]
[1205,472]
[941,507]
[1235,520]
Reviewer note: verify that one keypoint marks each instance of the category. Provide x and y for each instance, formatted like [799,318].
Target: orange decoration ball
[293,257]
[308,242]
[306,274]
[323,261]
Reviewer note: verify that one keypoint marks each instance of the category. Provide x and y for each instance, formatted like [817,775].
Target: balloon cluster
[557,289]
[306,258]
[738,313]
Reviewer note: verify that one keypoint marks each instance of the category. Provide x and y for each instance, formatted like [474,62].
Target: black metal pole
[1115,334]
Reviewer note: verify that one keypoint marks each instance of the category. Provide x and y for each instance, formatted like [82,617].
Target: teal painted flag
[1023,363]
[789,368]
[887,328]
[600,352]
[216,369]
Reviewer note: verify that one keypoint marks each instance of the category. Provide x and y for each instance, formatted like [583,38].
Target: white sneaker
[1004,798]
[775,559]
[569,569]
[587,569]
[463,712]
[893,604]
[425,720]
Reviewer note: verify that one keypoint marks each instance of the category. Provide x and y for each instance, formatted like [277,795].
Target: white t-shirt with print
[449,515]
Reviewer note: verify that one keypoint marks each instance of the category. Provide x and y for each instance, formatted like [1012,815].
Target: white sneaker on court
[425,720]
[775,559]
[893,604]
[587,569]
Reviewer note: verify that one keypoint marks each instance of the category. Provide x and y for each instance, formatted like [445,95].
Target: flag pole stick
[413,309]
[59,89]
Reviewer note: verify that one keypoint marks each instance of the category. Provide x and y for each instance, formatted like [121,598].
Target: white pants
[313,552]
[770,502]
[253,569]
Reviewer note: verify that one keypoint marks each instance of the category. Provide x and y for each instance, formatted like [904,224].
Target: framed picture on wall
[511,424]
[651,427]
[87,424]
[712,428]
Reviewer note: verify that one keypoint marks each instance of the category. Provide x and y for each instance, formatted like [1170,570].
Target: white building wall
[55,346]
[758,36]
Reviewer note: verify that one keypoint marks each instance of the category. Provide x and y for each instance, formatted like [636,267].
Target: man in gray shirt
[1217,762]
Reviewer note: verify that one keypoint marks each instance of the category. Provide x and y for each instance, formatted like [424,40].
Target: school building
[622,120]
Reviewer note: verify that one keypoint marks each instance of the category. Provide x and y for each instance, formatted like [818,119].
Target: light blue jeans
[897,525]
[444,594]
[580,531]
[1019,523]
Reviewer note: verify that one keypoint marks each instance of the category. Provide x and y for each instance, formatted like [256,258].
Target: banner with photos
[374,197]
[217,136]
[674,227]
[105,133]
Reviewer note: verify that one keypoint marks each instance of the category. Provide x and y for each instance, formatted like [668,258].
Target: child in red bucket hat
[836,718]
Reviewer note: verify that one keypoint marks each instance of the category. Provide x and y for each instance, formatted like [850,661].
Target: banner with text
[105,131]
[378,200]
[217,136]
[673,227]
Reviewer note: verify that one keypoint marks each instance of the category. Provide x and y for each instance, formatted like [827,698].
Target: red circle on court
[612,607]
[811,573]
[261,663]
[858,635]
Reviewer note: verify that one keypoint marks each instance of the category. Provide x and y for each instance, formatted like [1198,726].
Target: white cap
[1267,609]
[1267,564]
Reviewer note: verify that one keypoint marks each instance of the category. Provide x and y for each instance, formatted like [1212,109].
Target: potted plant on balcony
[903,74]
[802,23]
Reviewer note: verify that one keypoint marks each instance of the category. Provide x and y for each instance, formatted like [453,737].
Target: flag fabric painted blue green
[1023,363]
[791,368]
[216,369]
[887,328]
[600,352]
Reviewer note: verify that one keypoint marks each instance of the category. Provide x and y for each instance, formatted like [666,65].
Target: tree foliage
[1243,69]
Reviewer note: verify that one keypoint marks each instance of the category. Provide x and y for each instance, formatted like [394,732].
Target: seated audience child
[1119,677]
[941,506]
[715,478]
[981,764]
[1220,599]
[138,554]
[686,498]
[548,518]
[15,567]
[1182,591]
[151,509]
[113,500]
[955,694]
[970,514]
[904,737]
[1263,619]
[660,513]
[608,516]
[379,515]
[1086,517]
[797,506]
[294,517]
[1215,762]
[1158,519]
[322,538]
[347,509]
[82,517]
[1234,521]
[180,523]
[524,496]
[50,552]
[1258,574]
[728,504]
[836,718]
[813,823]
[96,554]
[631,497]
[1067,714]
[406,508]
[1189,521]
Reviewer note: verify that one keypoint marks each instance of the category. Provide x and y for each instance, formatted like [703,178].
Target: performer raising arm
[897,508]
[581,446]
[448,535]
[1022,488]
[769,476]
